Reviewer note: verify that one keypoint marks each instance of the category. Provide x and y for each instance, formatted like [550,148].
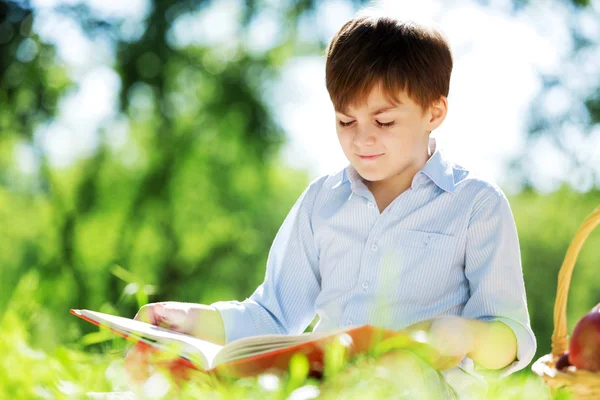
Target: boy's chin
[371,176]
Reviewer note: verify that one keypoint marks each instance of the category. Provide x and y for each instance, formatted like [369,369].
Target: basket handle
[559,336]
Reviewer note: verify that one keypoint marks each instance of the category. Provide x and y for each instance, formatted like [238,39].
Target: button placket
[368,254]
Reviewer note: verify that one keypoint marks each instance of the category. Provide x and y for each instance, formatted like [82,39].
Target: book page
[255,345]
[199,352]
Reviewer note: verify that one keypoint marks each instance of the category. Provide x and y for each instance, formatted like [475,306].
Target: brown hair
[400,55]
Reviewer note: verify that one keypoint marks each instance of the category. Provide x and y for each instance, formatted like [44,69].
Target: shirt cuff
[526,347]
[237,320]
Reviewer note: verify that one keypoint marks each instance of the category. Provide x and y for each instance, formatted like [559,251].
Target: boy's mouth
[372,157]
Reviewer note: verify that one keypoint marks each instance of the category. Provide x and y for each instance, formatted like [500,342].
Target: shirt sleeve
[493,268]
[285,302]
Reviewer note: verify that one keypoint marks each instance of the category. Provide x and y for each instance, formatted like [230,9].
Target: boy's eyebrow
[382,110]
[376,112]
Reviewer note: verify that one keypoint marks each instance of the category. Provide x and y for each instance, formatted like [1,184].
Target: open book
[251,355]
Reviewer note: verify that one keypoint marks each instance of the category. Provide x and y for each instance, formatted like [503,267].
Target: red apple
[584,345]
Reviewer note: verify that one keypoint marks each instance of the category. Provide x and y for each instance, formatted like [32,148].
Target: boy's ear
[437,113]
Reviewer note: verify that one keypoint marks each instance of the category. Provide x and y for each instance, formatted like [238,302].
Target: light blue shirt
[448,245]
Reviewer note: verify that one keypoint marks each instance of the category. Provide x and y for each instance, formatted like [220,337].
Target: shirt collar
[436,168]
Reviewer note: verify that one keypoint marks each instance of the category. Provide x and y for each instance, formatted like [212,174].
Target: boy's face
[398,135]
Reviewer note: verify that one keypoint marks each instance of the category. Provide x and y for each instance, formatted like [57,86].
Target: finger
[164,315]
[143,314]
[169,317]
[159,315]
[149,315]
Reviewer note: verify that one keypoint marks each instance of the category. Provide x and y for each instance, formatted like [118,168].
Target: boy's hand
[198,320]
[452,337]
[171,315]
[491,345]
[189,318]
[141,360]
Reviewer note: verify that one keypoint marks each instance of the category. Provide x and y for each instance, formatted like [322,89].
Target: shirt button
[374,247]
[371,205]
[426,240]
[365,285]
[349,322]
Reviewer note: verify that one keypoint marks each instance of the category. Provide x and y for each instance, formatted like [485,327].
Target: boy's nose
[364,137]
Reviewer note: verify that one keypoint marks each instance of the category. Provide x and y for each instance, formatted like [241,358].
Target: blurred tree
[564,116]
[185,208]
[32,79]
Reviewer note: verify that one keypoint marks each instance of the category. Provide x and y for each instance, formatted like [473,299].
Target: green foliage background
[186,208]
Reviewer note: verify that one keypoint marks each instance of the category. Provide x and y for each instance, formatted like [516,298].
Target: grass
[74,372]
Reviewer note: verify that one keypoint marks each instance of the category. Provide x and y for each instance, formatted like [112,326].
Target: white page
[208,353]
[191,347]
[253,345]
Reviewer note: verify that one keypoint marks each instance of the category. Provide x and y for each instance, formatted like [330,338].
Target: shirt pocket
[421,267]
[425,240]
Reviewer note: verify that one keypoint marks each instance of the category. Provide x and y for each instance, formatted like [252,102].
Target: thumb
[169,316]
[159,310]
[161,315]
[151,314]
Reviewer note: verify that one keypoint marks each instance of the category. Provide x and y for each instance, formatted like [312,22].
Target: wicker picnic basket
[583,384]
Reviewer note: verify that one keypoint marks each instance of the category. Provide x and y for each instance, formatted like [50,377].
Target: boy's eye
[381,124]
[385,123]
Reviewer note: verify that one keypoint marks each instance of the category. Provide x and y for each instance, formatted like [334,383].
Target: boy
[401,237]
